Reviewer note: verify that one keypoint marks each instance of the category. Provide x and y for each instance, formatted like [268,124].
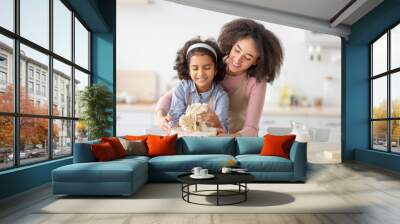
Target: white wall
[149,35]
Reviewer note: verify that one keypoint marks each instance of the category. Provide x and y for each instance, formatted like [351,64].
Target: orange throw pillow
[116,145]
[161,145]
[277,145]
[103,151]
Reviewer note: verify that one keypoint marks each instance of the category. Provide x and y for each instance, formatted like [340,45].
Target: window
[6,89]
[81,81]
[385,91]
[3,61]
[37,74]
[3,80]
[34,21]
[81,45]
[30,72]
[3,71]
[62,29]
[44,91]
[37,89]
[7,14]
[30,87]
[62,74]
[54,125]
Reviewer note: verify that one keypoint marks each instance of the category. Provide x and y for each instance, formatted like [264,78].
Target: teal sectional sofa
[125,176]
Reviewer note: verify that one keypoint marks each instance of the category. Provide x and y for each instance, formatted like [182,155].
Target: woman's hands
[163,120]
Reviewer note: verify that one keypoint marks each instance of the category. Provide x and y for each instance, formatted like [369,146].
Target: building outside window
[3,72]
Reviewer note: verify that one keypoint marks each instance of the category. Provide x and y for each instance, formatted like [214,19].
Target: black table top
[220,178]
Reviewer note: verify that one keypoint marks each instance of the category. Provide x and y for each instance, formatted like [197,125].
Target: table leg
[217,194]
[245,191]
[196,188]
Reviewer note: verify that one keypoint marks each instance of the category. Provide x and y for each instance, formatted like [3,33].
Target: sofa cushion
[206,145]
[111,171]
[257,163]
[249,145]
[185,163]
[131,158]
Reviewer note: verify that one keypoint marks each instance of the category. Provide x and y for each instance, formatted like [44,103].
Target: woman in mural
[253,56]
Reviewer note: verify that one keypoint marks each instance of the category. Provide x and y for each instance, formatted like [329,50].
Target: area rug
[167,198]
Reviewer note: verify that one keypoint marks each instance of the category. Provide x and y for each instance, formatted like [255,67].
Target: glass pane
[62,29]
[395,136]
[33,139]
[379,97]
[62,138]
[6,74]
[379,135]
[81,131]
[395,47]
[81,81]
[395,94]
[62,89]
[379,55]
[7,14]
[34,97]
[6,142]
[81,45]
[35,21]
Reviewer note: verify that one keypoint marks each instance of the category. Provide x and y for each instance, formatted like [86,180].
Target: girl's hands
[163,121]
[210,118]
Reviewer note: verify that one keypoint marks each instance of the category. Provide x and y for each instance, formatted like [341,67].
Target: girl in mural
[200,68]
[253,56]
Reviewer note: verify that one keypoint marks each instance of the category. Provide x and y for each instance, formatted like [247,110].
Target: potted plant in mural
[96,103]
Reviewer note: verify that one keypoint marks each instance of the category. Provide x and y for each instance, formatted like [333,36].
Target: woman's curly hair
[270,49]
[182,60]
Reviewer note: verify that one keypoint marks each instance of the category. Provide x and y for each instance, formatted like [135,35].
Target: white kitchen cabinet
[322,128]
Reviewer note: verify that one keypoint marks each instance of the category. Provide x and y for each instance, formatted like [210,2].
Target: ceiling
[324,16]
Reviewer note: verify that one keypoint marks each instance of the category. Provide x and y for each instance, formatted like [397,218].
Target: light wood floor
[377,188]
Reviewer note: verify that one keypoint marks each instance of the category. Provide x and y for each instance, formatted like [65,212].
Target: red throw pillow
[161,145]
[116,145]
[103,151]
[277,145]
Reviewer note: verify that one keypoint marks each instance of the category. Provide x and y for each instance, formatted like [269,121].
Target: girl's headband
[202,45]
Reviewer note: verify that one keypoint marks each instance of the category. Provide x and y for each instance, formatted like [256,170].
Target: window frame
[388,74]
[15,71]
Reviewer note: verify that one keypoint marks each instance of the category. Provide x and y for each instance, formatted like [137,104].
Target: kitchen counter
[268,110]
[302,111]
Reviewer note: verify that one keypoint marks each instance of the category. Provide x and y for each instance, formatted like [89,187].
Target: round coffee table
[238,179]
